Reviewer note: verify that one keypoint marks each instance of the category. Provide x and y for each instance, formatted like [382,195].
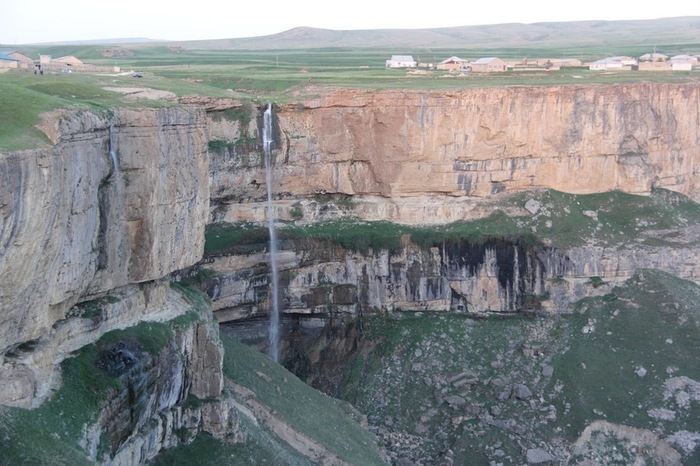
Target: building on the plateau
[401,61]
[489,65]
[453,64]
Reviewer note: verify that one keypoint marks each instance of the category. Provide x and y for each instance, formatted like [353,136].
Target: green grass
[152,336]
[351,234]
[50,433]
[620,218]
[358,235]
[24,96]
[19,112]
[205,450]
[224,237]
[564,220]
[318,416]
[201,304]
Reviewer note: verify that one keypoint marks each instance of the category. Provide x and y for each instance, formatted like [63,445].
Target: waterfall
[116,175]
[275,310]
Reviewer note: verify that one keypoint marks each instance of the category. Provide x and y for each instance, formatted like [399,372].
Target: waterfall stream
[274,310]
[116,175]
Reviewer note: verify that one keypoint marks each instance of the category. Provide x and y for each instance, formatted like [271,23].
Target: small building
[559,63]
[655,66]
[453,64]
[489,65]
[653,57]
[401,61]
[7,61]
[682,62]
[68,61]
[614,63]
[537,64]
[23,61]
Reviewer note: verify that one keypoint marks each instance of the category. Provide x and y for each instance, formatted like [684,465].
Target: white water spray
[275,310]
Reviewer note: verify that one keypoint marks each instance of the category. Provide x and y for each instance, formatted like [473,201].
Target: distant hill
[663,31]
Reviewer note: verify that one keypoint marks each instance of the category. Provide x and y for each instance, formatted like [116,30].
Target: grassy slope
[24,96]
[323,418]
[50,434]
[260,448]
[653,321]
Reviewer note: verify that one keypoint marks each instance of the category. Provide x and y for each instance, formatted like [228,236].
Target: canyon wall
[117,201]
[436,157]
[431,157]
[496,275]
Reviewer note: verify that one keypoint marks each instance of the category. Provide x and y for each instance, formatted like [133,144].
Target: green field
[288,74]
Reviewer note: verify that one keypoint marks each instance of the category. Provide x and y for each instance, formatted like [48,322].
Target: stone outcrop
[150,411]
[430,157]
[594,445]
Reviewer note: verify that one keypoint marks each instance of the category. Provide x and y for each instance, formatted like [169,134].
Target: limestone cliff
[118,200]
[494,276]
[430,157]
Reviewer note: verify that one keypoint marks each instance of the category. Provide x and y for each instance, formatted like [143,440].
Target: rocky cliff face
[119,200]
[431,157]
[497,275]
[152,407]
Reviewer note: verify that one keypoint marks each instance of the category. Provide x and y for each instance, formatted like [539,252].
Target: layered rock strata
[496,275]
[417,157]
[120,199]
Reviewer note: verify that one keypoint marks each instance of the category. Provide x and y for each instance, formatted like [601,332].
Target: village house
[682,62]
[401,61]
[72,63]
[614,63]
[558,63]
[660,62]
[453,64]
[655,66]
[12,59]
[657,57]
[488,65]
[67,61]
[7,62]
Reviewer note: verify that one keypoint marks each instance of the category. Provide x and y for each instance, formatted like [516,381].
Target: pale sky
[34,21]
